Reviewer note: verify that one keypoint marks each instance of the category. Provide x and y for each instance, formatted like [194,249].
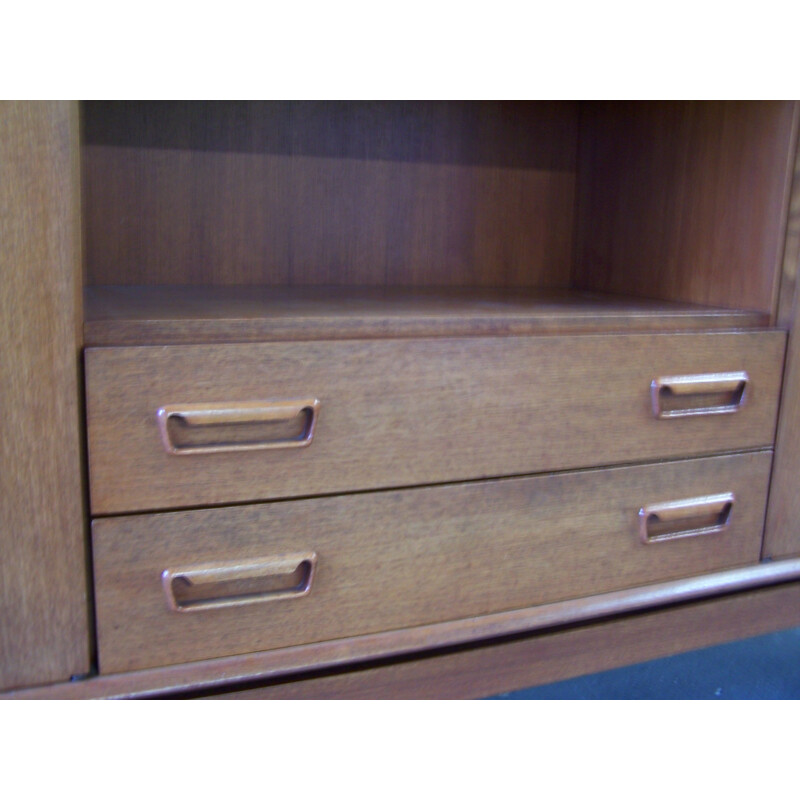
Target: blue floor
[765,667]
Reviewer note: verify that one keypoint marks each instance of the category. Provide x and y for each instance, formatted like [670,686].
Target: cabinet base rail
[219,672]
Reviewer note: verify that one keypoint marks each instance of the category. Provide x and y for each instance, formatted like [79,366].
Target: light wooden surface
[684,201]
[454,194]
[394,560]
[551,656]
[44,633]
[144,315]
[433,640]
[410,412]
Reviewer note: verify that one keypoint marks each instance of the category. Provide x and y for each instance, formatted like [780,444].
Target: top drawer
[209,424]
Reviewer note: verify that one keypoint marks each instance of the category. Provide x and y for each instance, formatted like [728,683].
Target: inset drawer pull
[225,427]
[692,395]
[659,522]
[210,586]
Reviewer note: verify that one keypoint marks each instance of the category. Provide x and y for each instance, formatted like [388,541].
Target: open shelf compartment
[226,222]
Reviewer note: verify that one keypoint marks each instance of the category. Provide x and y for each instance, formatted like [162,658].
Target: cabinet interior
[236,221]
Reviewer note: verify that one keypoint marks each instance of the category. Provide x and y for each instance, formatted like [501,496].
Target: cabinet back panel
[368,193]
[684,201]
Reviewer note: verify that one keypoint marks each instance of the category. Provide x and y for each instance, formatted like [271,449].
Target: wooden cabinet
[475,369]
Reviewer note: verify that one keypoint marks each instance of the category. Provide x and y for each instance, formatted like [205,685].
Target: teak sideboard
[392,399]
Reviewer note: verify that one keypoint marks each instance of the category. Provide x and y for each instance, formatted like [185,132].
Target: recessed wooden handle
[217,427]
[693,517]
[690,395]
[211,586]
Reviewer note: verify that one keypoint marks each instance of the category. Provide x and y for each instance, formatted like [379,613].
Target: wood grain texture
[395,560]
[411,412]
[791,250]
[684,201]
[782,531]
[416,194]
[148,315]
[421,642]
[500,134]
[551,656]
[43,613]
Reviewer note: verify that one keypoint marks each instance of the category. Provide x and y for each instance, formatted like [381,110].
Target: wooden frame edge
[228,671]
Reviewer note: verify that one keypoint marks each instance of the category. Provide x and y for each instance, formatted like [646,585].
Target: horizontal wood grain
[415,411]
[143,315]
[393,560]
[687,613]
[684,201]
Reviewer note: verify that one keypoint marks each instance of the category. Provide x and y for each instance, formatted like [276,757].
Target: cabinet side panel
[782,532]
[791,249]
[684,201]
[43,600]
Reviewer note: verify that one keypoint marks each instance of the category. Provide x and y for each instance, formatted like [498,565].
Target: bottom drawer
[184,586]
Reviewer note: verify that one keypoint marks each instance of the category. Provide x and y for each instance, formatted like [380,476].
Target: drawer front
[184,586]
[328,417]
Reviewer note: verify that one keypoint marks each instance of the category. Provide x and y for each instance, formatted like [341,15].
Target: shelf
[159,315]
